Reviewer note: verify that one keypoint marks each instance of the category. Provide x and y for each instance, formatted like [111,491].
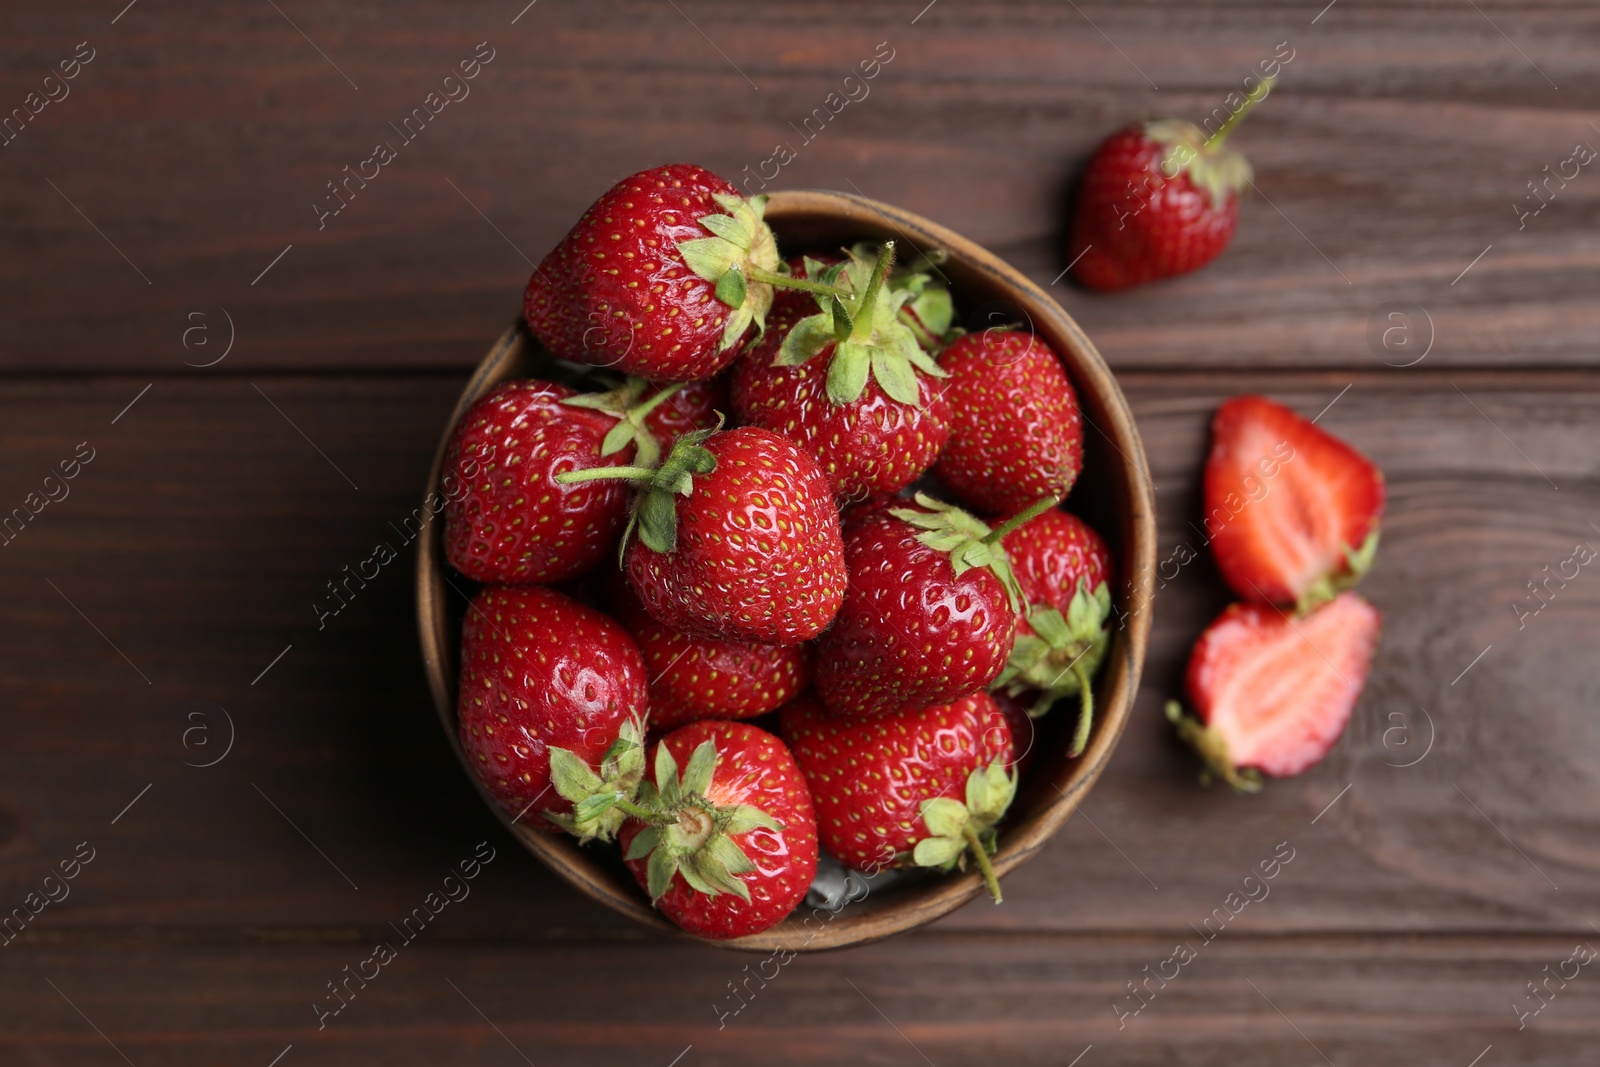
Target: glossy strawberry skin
[1280,690]
[616,292]
[874,444]
[693,678]
[1283,499]
[759,555]
[911,634]
[506,519]
[870,777]
[1016,434]
[539,669]
[1051,555]
[754,768]
[1135,225]
[694,406]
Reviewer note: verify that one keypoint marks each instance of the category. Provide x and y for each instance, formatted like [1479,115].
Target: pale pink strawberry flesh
[1280,690]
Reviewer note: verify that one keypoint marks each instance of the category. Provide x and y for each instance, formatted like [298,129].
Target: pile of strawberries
[844,580]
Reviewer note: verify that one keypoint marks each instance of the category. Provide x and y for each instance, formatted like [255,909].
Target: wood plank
[206,525]
[197,148]
[950,1000]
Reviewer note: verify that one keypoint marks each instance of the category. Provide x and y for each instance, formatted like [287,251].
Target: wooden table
[260,392]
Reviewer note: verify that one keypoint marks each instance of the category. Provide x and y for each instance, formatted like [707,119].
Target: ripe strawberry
[542,675]
[731,848]
[1273,693]
[1063,569]
[1159,198]
[849,382]
[930,614]
[1015,431]
[664,276]
[506,519]
[738,538]
[889,791]
[1292,511]
[705,677]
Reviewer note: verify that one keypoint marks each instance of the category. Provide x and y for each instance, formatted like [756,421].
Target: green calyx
[740,259]
[1216,171]
[655,512]
[862,322]
[1061,656]
[960,831]
[928,311]
[967,540]
[1212,748]
[687,834]
[624,402]
[1357,563]
[599,800]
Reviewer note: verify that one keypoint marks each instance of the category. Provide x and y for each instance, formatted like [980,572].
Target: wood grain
[197,144]
[944,999]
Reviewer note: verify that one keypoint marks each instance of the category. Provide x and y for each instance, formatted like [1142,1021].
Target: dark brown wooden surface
[190,550]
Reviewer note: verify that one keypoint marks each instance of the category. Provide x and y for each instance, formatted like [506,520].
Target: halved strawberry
[1291,510]
[1273,693]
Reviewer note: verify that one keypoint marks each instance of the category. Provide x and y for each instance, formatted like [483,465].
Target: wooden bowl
[1114,494]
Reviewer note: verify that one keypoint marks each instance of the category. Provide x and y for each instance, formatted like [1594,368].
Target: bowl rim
[1115,689]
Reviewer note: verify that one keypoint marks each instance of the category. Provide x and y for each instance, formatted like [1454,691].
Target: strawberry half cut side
[1272,692]
[1291,510]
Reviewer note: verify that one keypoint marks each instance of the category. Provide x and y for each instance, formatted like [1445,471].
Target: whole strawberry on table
[691,485]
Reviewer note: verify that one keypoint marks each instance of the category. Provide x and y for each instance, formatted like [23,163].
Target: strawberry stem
[654,402]
[1080,738]
[654,818]
[638,475]
[880,272]
[981,855]
[1254,97]
[788,281]
[1031,512]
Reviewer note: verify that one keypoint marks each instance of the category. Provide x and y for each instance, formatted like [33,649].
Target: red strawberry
[707,678]
[731,848]
[1063,569]
[858,396]
[1272,692]
[692,406]
[1015,431]
[642,282]
[922,787]
[1158,198]
[1024,732]
[1292,511]
[541,673]
[930,615]
[738,538]
[506,519]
